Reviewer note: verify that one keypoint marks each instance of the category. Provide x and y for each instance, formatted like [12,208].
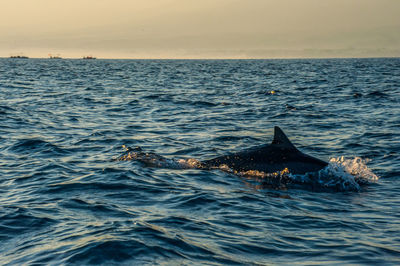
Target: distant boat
[19,56]
[55,56]
[89,57]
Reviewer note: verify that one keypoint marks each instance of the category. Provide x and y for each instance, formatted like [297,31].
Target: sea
[70,196]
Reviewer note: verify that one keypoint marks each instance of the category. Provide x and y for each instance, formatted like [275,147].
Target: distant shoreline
[274,58]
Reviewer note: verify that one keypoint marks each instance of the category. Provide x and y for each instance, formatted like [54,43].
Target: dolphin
[270,158]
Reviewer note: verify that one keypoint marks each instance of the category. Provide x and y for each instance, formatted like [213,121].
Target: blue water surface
[64,199]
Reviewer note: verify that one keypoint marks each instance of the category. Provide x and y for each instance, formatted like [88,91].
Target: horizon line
[205,58]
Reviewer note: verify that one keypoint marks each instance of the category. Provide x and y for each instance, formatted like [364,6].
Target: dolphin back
[277,156]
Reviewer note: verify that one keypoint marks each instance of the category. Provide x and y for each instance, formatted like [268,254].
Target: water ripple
[65,199]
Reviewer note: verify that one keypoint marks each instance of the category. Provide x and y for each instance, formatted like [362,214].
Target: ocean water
[67,198]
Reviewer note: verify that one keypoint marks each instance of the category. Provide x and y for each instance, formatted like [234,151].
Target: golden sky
[200,28]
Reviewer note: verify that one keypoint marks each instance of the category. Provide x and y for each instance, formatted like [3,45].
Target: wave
[25,146]
[18,220]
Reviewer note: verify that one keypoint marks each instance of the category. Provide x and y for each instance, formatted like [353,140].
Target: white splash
[342,174]
[189,163]
[158,161]
[356,167]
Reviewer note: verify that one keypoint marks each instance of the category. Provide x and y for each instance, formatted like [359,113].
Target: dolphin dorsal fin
[281,139]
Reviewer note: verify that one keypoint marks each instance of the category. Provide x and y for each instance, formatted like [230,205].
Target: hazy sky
[200,28]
